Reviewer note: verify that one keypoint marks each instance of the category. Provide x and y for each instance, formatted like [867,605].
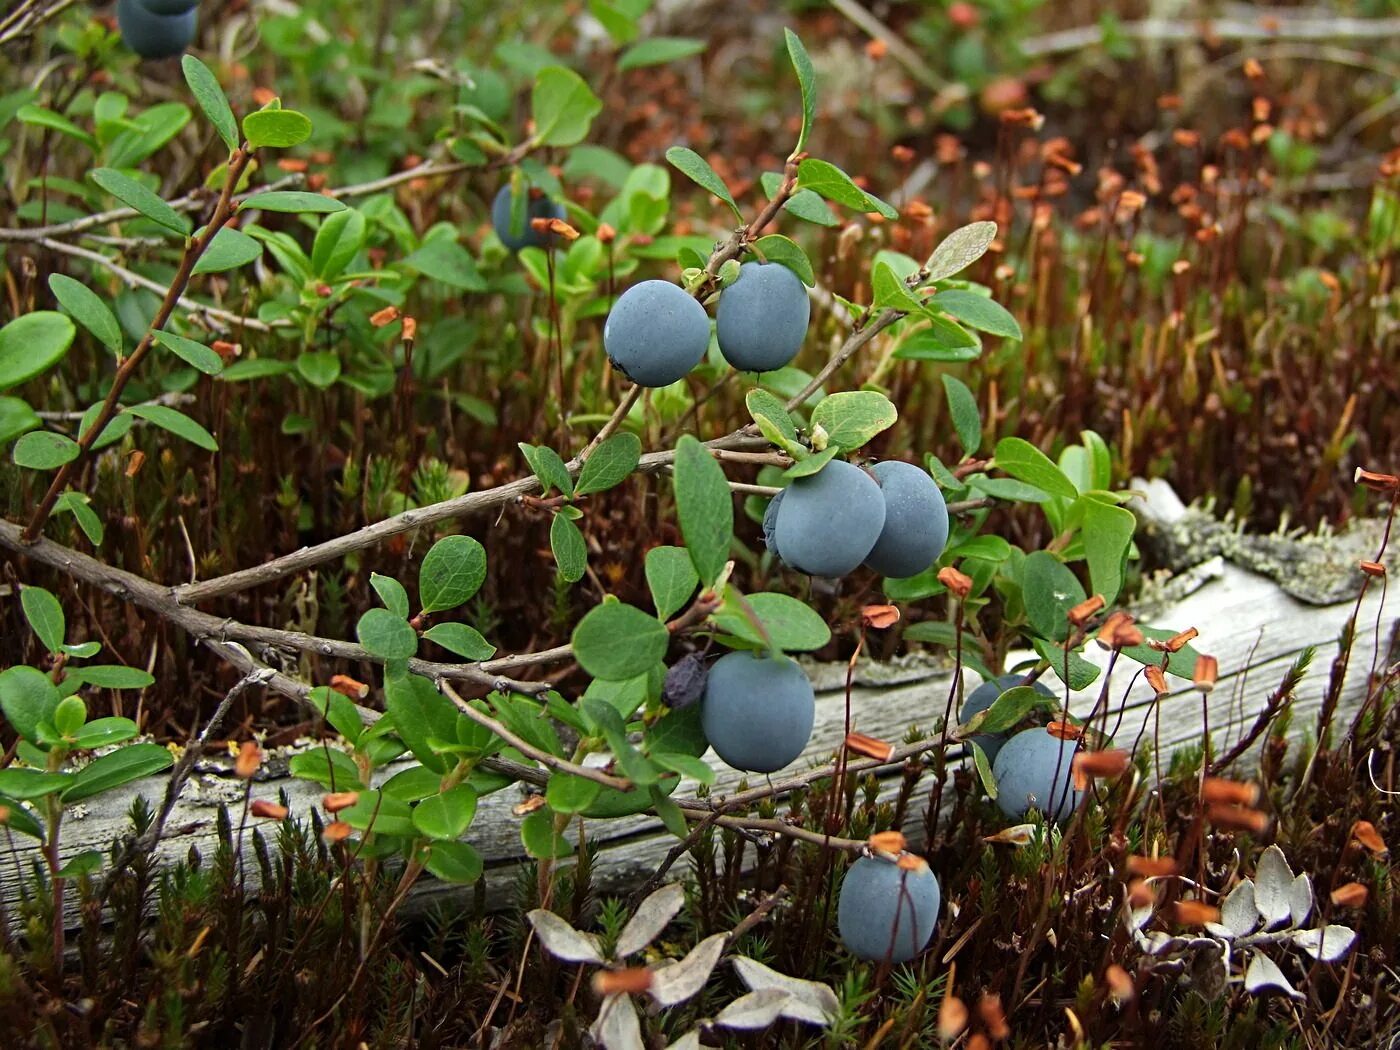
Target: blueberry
[886,911]
[757,711]
[685,682]
[169,7]
[916,521]
[770,525]
[983,697]
[762,317]
[829,521]
[656,333]
[1032,771]
[538,208]
[153,35]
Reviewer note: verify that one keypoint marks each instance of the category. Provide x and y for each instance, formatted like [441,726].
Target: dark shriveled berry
[656,333]
[916,521]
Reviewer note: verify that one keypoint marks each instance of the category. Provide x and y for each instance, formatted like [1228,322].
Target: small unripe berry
[538,208]
[916,520]
[1033,771]
[762,317]
[757,711]
[887,911]
[829,521]
[656,333]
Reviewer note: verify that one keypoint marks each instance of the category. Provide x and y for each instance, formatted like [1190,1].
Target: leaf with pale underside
[650,919]
[1263,974]
[679,981]
[1327,944]
[809,1001]
[755,1010]
[563,941]
[1272,881]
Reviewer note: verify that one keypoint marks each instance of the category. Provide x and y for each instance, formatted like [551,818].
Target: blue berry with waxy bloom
[916,520]
[154,35]
[886,911]
[762,317]
[758,710]
[656,333]
[983,697]
[1033,771]
[538,207]
[828,522]
[169,7]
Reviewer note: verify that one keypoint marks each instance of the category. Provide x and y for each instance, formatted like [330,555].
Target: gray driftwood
[1246,619]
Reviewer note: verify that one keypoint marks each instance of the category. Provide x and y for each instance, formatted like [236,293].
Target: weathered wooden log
[1247,620]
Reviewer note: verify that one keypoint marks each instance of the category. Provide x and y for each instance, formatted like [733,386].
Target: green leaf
[31,344]
[672,579]
[539,838]
[446,815]
[959,250]
[30,784]
[1082,674]
[939,340]
[549,467]
[782,250]
[20,819]
[16,418]
[685,765]
[83,650]
[85,863]
[88,310]
[807,80]
[812,464]
[197,355]
[76,503]
[978,311]
[387,636]
[177,423]
[984,769]
[967,420]
[391,592]
[570,550]
[338,241]
[381,814]
[276,128]
[1024,461]
[617,641]
[69,715]
[1050,590]
[887,289]
[339,712]
[332,768]
[27,697]
[563,106]
[697,169]
[671,814]
[1007,489]
[420,714]
[567,793]
[457,862]
[211,99]
[792,625]
[443,259]
[45,616]
[292,201]
[453,570]
[138,198]
[1108,535]
[1011,708]
[228,250]
[112,676]
[44,450]
[705,508]
[834,184]
[467,642]
[678,733]
[38,116]
[657,50]
[120,767]
[102,732]
[773,420]
[1181,663]
[609,464]
[853,417]
[320,368]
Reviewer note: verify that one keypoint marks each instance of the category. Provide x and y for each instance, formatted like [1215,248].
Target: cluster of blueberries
[157,28]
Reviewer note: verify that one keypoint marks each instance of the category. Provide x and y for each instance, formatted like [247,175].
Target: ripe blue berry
[983,697]
[916,520]
[169,7]
[757,711]
[656,333]
[762,317]
[153,35]
[527,236]
[770,525]
[1032,771]
[829,521]
[886,911]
